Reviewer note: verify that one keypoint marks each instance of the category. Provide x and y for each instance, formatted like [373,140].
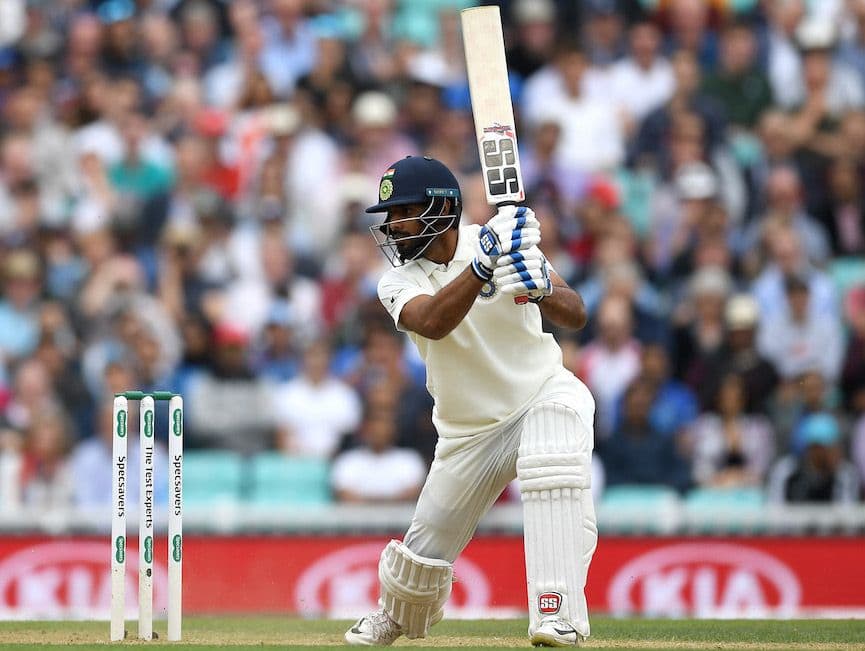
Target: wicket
[146,512]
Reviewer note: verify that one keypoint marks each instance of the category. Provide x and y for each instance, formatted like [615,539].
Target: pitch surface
[259,633]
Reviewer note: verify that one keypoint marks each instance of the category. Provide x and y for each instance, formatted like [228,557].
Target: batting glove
[511,229]
[524,273]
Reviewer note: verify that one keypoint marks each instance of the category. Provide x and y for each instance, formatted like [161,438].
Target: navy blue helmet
[416,180]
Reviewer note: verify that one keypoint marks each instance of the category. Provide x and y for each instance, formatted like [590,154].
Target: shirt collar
[465,251]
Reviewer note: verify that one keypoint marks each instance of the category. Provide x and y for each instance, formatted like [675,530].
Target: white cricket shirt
[492,364]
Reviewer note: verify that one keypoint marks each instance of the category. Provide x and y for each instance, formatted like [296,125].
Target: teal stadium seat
[212,477]
[639,508]
[278,479]
[847,273]
[734,510]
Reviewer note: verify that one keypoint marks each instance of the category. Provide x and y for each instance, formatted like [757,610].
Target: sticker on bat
[501,164]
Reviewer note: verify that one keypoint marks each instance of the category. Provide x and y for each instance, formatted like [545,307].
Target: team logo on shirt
[488,290]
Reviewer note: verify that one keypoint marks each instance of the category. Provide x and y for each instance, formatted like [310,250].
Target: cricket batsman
[505,406]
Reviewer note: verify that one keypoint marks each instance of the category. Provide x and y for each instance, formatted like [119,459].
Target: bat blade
[491,104]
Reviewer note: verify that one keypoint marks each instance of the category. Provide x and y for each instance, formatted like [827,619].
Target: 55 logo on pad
[549,603]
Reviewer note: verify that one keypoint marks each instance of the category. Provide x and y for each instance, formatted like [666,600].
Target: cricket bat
[492,109]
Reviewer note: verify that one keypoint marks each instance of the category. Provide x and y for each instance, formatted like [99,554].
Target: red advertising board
[337,576]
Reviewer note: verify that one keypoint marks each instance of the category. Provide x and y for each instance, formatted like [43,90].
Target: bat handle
[518,300]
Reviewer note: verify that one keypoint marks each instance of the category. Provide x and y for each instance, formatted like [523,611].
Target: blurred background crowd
[182,185]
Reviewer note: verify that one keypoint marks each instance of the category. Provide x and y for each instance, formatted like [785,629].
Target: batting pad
[414,589]
[559,518]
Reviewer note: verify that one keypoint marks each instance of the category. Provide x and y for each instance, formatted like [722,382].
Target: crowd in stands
[182,185]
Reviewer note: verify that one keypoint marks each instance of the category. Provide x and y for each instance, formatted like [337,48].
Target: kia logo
[345,583]
[70,580]
[705,580]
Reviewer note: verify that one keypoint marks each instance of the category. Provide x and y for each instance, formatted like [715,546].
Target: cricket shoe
[555,631]
[376,629]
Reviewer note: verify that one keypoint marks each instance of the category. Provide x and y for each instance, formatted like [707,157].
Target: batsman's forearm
[564,308]
[441,313]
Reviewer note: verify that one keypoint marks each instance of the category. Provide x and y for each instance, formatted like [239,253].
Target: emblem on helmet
[385,189]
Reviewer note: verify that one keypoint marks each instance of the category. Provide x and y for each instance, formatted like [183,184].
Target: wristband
[482,271]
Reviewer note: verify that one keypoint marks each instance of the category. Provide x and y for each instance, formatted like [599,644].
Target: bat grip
[518,300]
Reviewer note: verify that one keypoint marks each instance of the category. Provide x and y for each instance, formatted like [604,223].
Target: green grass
[258,633]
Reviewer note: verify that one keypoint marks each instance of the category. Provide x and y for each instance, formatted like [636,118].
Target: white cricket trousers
[469,473]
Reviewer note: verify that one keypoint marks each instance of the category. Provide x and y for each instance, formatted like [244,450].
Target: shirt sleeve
[395,290]
[340,473]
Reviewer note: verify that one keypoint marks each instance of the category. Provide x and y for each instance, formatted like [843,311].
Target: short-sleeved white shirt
[378,476]
[492,364]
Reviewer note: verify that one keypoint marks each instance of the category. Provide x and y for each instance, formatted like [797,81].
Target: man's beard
[409,250]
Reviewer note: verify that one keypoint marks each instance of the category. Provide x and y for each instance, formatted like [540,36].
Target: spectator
[844,216]
[820,473]
[797,340]
[591,138]
[787,258]
[535,35]
[224,82]
[93,458]
[315,409]
[58,351]
[22,283]
[857,448]
[11,444]
[738,85]
[32,394]
[133,176]
[778,148]
[853,371]
[611,361]
[636,453]
[249,300]
[644,69]
[699,332]
[690,31]
[679,211]
[383,370]
[350,280]
[675,405]
[652,145]
[278,357]
[289,46]
[228,407]
[784,210]
[378,471]
[794,401]
[783,62]
[379,141]
[729,446]
[218,173]
[53,172]
[826,88]
[851,51]
[372,53]
[47,483]
[597,210]
[625,279]
[739,355]
[603,32]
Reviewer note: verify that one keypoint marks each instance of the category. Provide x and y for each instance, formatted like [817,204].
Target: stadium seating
[847,273]
[280,480]
[212,477]
[639,508]
[733,510]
